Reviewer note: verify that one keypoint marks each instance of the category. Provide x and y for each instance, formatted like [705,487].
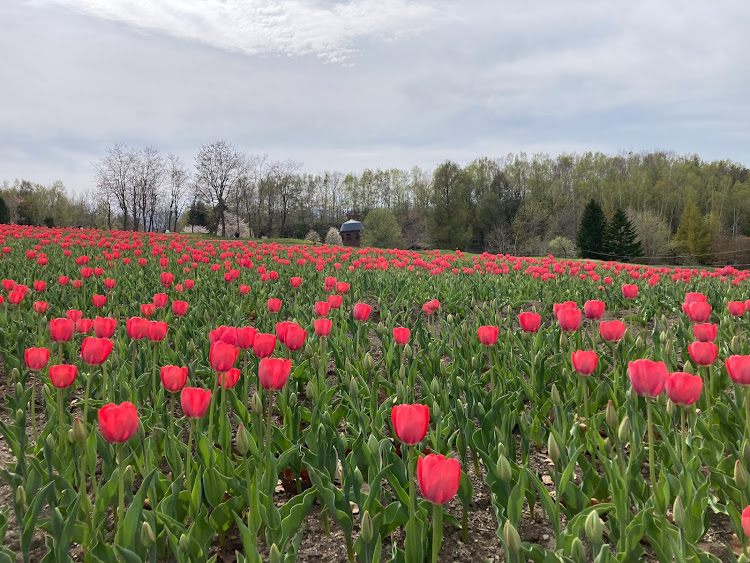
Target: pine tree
[4,212]
[591,232]
[693,234]
[620,240]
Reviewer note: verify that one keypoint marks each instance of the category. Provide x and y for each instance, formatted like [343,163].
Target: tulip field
[177,398]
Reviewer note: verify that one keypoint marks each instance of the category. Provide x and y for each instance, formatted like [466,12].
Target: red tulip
[342,287]
[8,285]
[322,308]
[746,521]
[157,331]
[244,289]
[166,279]
[174,378]
[401,335]
[36,358]
[705,332]
[229,378]
[160,300]
[410,422]
[39,286]
[438,477]
[612,331]
[569,319]
[335,301]
[222,356]
[148,309]
[594,309]
[684,388]
[74,314]
[274,373]
[15,297]
[109,283]
[179,308]
[95,351]
[488,335]
[246,337]
[40,307]
[226,334]
[295,282]
[738,368]
[118,423]
[629,291]
[99,300]
[699,312]
[362,312]
[84,326]
[281,329]
[323,327]
[61,330]
[294,338]
[584,361]
[695,297]
[274,305]
[63,280]
[264,344]
[647,377]
[63,375]
[530,322]
[703,353]
[557,307]
[195,401]
[736,308]
[104,327]
[137,328]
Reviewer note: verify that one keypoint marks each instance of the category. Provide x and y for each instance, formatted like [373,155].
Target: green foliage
[620,239]
[561,247]
[198,214]
[694,234]
[590,237]
[4,212]
[381,229]
[451,219]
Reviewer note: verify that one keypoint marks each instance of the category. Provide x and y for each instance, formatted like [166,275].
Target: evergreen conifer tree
[591,232]
[620,239]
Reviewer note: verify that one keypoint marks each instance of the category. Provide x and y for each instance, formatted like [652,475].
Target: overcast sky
[348,84]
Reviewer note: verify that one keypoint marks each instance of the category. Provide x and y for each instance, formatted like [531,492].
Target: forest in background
[517,204]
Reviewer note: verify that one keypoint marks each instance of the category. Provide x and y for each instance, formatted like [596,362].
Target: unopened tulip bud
[553,449]
[461,383]
[663,337]
[746,451]
[449,318]
[20,496]
[555,396]
[402,373]
[610,416]
[358,479]
[734,345]
[50,442]
[435,387]
[668,349]
[19,389]
[623,432]
[408,352]
[141,432]
[256,405]
[563,341]
[608,446]
[688,368]
[129,476]
[577,551]
[79,431]
[670,407]
[191,348]
[292,399]
[742,558]
[71,438]
[367,532]
[183,545]
[481,411]
[308,351]
[353,387]
[511,537]
[503,469]
[315,360]
[241,439]
[368,362]
[435,412]
[501,449]
[740,475]
[380,329]
[639,342]
[274,555]
[678,511]
[20,415]
[593,527]
[148,539]
[311,391]
[474,363]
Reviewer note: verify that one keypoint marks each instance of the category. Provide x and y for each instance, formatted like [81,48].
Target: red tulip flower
[530,322]
[488,335]
[736,308]
[8,285]
[584,361]
[557,307]
[160,300]
[612,331]
[157,331]
[703,353]
[274,373]
[227,334]
[222,356]
[40,286]
[684,388]
[362,312]
[746,521]
[84,326]
[118,423]
[40,307]
[36,358]
[410,422]
[137,328]
[229,378]
[61,330]
[322,308]
[594,309]
[323,327]
[699,312]
[695,297]
[569,319]
[63,280]
[335,301]
[738,368]
[274,305]
[148,310]
[109,283]
[243,289]
[166,278]
[438,477]
[174,378]
[264,344]
[342,287]
[104,327]
[294,337]
[295,282]
[95,351]
[195,401]
[15,297]
[63,375]
[74,314]
[179,308]
[246,337]
[629,291]
[647,377]
[401,335]
[99,300]
[705,332]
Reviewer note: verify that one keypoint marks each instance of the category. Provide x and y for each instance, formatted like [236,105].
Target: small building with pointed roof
[350,231]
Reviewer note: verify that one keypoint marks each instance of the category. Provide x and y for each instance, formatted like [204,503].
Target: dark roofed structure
[350,232]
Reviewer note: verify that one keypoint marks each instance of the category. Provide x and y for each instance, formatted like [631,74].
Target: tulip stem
[121,480]
[60,422]
[747,410]
[188,458]
[411,534]
[153,377]
[269,413]
[33,406]
[707,373]
[86,398]
[651,467]
[683,434]
[585,398]
[437,530]
[132,372]
[616,374]
[211,410]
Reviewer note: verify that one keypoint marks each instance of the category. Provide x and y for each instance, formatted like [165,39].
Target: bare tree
[148,175]
[288,186]
[114,179]
[218,166]
[178,178]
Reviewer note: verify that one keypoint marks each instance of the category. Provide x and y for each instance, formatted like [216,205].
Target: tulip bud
[511,537]
[358,479]
[79,431]
[670,407]
[311,391]
[623,432]
[663,338]
[474,364]
[241,439]
[191,347]
[577,551]
[678,511]
[407,352]
[449,319]
[309,352]
[688,368]
[553,449]
[481,411]
[183,545]
[368,362]
[608,446]
[315,361]
[593,527]
[555,396]
[20,415]
[274,555]
[610,416]
[353,387]
[639,342]
[292,399]
[435,412]
[734,345]
[501,449]
[148,539]
[740,475]
[129,476]
[19,389]
[742,558]
[380,329]
[668,349]
[503,469]
[71,438]
[563,341]
[402,373]
[461,383]
[746,451]
[256,405]
[435,387]
[50,442]
[20,496]
[367,532]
